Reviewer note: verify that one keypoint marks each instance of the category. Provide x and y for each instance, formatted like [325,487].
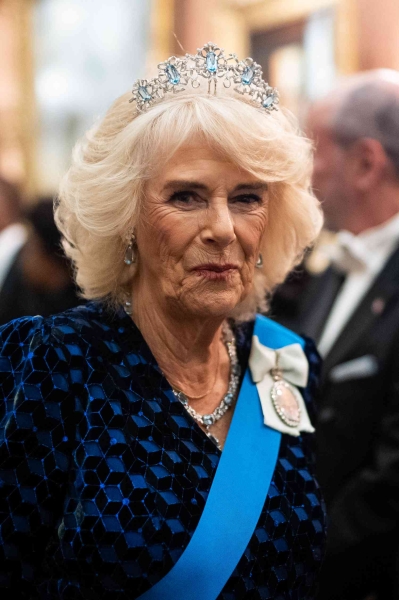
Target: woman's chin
[217,304]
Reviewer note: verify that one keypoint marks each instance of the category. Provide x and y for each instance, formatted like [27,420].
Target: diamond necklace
[210,419]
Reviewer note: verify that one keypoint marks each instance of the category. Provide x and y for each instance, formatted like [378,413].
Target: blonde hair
[101,195]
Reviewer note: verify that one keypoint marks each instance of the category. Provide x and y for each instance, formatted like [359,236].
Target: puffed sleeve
[35,433]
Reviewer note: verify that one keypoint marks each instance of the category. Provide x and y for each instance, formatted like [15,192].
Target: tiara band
[210,63]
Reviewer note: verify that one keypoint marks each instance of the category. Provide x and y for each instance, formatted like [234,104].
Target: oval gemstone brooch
[283,397]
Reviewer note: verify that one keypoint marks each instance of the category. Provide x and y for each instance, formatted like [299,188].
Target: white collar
[12,238]
[368,250]
[382,236]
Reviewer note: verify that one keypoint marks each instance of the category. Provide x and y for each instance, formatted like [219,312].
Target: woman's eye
[248,199]
[184,198]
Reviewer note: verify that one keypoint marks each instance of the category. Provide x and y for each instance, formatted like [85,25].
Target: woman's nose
[218,227]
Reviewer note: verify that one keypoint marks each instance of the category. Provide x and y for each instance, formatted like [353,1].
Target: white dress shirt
[12,238]
[361,257]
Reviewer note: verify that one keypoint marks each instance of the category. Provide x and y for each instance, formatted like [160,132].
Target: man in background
[12,232]
[352,312]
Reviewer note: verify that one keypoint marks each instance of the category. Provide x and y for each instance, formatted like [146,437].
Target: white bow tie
[349,254]
[294,368]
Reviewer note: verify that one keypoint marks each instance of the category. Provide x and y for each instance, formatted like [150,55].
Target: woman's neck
[186,349]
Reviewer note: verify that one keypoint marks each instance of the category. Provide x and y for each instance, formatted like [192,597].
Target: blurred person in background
[12,231]
[352,311]
[39,276]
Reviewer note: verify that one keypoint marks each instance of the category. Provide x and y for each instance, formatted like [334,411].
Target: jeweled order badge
[284,399]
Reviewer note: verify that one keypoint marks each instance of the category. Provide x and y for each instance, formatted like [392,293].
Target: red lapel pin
[377,306]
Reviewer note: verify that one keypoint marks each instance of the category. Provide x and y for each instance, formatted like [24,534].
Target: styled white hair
[101,195]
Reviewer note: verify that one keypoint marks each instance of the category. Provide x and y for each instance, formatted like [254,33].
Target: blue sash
[236,497]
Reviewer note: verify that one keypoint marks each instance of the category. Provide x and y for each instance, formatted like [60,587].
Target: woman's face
[199,233]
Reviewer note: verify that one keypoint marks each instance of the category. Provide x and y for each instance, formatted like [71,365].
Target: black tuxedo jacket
[357,437]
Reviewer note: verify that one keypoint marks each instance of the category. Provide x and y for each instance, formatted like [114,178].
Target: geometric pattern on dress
[104,476]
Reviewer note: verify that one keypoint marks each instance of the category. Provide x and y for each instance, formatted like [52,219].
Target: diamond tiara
[212,64]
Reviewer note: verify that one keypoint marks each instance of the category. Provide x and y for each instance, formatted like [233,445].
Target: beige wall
[378,24]
[17,109]
[367,30]
[162,27]
[200,21]
[230,23]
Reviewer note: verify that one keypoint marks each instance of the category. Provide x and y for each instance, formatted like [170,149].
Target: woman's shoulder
[80,320]
[277,334]
[75,335]
[287,336]
[281,335]
[70,350]
[92,324]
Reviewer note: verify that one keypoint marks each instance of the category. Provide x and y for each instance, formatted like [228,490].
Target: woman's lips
[215,271]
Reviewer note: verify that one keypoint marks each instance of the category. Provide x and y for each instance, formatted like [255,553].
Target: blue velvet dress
[104,475]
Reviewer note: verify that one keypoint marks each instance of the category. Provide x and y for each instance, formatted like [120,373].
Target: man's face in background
[331,182]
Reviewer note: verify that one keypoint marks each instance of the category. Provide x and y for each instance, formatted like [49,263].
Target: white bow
[294,368]
[349,253]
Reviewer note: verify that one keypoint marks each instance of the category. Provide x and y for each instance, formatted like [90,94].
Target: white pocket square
[364,366]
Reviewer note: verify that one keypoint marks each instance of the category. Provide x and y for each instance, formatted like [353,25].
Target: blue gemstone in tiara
[247,76]
[143,93]
[268,101]
[211,62]
[213,65]
[173,74]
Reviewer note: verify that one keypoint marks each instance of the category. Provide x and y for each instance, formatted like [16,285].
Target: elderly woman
[155,442]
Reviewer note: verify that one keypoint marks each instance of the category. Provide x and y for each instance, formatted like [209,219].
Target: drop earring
[127,305]
[259,262]
[130,253]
